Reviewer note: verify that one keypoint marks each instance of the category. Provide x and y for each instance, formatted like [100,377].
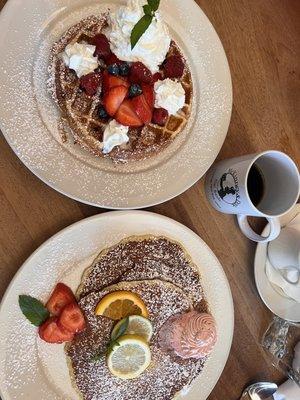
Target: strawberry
[160,116]
[114,98]
[110,81]
[127,116]
[72,319]
[142,108]
[50,332]
[148,92]
[102,46]
[157,77]
[60,297]
[139,73]
[91,82]
[174,67]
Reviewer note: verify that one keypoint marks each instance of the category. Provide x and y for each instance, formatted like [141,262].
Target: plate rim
[130,213]
[8,7]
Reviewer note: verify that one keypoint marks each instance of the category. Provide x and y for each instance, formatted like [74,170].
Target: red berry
[102,46]
[50,332]
[114,98]
[72,319]
[160,116]
[60,297]
[174,67]
[112,59]
[139,73]
[157,77]
[91,82]
[142,108]
[127,116]
[148,92]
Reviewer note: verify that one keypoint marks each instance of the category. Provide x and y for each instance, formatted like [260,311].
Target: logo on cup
[228,188]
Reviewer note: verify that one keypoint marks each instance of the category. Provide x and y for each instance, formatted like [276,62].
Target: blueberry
[135,90]
[113,69]
[102,113]
[124,69]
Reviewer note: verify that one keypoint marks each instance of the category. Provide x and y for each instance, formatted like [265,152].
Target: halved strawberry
[142,108]
[60,297]
[102,45]
[127,116]
[139,73]
[50,332]
[148,92]
[110,81]
[114,98]
[91,82]
[72,319]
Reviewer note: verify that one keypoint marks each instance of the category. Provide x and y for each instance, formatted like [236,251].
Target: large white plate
[30,369]
[28,117]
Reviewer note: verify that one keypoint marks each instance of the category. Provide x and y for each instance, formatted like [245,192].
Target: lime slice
[137,326]
[130,358]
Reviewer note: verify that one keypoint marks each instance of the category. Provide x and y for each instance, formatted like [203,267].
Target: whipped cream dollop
[169,95]
[152,47]
[114,135]
[80,58]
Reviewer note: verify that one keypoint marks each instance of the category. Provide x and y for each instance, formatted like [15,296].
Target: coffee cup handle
[249,232]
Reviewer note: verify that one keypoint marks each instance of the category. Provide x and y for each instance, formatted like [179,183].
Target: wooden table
[262,42]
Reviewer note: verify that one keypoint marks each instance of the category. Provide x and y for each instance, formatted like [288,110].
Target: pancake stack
[163,275]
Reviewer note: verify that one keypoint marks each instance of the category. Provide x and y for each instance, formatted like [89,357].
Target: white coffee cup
[232,188]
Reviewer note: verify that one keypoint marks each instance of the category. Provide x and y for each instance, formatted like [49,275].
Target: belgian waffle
[80,111]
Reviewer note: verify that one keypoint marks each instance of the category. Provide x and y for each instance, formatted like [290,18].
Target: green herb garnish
[114,340]
[33,310]
[143,24]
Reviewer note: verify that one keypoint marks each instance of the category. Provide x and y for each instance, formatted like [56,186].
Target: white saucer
[282,306]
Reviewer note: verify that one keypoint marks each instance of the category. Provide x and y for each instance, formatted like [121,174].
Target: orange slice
[121,304]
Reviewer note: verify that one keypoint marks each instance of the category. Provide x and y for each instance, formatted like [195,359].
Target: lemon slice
[131,358]
[120,304]
[137,326]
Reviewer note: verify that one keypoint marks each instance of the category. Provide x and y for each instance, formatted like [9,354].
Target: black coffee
[255,185]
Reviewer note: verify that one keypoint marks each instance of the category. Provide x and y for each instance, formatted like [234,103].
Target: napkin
[290,390]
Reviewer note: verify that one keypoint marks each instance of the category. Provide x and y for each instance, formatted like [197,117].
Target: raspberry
[91,82]
[102,46]
[160,116]
[174,67]
[112,59]
[157,77]
[139,73]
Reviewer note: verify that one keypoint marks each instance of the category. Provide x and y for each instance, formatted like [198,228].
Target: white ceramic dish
[31,369]
[29,118]
[282,306]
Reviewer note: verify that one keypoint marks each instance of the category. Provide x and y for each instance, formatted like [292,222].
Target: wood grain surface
[262,42]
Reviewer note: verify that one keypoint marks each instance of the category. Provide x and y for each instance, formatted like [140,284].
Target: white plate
[282,306]
[29,118]
[30,369]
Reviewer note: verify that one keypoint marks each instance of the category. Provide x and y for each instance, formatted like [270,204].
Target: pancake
[142,258]
[80,111]
[165,376]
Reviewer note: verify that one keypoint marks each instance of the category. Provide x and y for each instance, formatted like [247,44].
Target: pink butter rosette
[190,335]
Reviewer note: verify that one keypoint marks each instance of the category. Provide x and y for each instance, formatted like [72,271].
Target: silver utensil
[260,391]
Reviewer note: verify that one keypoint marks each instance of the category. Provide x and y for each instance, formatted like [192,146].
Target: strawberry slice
[72,319]
[60,297]
[114,98]
[50,332]
[127,116]
[139,73]
[110,81]
[102,45]
[148,92]
[142,108]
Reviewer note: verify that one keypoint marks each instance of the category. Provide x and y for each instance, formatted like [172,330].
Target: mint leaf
[154,4]
[121,330]
[139,29]
[147,10]
[33,310]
